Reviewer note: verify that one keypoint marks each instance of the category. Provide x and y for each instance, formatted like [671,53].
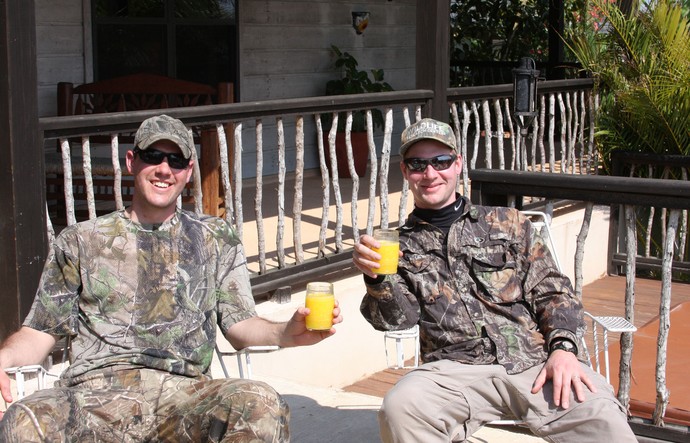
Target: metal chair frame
[405,334]
[245,369]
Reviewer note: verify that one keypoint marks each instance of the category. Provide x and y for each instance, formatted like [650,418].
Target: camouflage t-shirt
[490,294]
[141,295]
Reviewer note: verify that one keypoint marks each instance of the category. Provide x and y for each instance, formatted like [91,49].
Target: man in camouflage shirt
[498,322]
[140,293]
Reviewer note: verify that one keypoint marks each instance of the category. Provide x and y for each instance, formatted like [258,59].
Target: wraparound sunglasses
[155,157]
[439,163]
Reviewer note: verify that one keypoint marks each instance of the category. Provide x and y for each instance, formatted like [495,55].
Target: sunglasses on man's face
[439,163]
[154,157]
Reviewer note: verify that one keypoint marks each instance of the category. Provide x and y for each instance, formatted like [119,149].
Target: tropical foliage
[641,64]
[488,37]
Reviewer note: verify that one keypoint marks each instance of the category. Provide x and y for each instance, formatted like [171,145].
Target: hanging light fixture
[525,92]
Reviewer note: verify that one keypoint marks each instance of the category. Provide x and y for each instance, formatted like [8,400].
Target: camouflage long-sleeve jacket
[491,294]
[137,296]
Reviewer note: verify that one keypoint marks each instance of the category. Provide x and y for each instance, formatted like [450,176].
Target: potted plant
[353,81]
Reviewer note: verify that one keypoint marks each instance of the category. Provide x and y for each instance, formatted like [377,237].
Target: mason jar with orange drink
[320,300]
[389,250]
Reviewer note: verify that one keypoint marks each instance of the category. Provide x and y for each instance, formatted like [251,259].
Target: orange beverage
[321,302]
[389,248]
[389,257]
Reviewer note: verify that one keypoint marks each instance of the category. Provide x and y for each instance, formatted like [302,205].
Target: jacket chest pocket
[497,273]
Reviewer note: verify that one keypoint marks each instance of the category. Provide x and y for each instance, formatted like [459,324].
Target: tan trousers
[446,401]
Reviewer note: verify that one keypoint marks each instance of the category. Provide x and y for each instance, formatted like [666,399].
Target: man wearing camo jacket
[499,324]
[140,292]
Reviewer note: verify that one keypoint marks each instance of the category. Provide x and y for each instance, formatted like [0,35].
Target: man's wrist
[563,344]
[374,281]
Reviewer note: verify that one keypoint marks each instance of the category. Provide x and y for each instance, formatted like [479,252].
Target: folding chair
[246,352]
[411,333]
[608,324]
[541,224]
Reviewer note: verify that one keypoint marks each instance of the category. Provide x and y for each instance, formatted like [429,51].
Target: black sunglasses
[155,157]
[439,163]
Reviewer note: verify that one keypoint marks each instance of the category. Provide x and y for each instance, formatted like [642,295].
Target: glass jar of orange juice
[320,300]
[388,249]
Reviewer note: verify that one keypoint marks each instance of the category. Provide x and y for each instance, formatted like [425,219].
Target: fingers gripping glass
[154,157]
[439,163]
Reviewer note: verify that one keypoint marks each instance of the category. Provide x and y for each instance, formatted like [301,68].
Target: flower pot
[360,153]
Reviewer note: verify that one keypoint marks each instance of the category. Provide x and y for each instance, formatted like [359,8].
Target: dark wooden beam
[433,54]
[22,223]
[556,31]
[492,185]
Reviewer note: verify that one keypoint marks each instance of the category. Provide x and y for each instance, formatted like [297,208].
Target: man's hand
[5,389]
[365,258]
[565,371]
[257,331]
[297,334]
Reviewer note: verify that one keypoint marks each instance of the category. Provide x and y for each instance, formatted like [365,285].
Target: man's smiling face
[432,189]
[156,187]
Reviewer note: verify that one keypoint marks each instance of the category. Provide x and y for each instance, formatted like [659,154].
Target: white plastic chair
[246,353]
[541,223]
[19,373]
[608,324]
[405,334]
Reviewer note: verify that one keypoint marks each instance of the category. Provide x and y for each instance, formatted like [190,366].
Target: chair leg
[400,353]
[240,366]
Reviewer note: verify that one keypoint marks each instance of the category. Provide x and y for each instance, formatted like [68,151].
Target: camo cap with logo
[428,128]
[164,127]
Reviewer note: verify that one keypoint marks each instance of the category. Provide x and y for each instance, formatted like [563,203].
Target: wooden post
[210,171]
[210,157]
[433,54]
[23,239]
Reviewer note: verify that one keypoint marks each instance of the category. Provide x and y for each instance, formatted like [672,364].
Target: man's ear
[190,173]
[403,169]
[129,160]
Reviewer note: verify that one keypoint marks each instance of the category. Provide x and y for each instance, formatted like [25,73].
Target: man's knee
[20,424]
[597,419]
[398,405]
[229,410]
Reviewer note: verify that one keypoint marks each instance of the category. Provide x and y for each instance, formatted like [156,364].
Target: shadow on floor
[311,422]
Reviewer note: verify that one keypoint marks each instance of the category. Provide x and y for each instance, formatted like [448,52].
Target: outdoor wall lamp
[525,93]
[360,21]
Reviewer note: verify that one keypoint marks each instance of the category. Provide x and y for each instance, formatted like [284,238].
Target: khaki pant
[147,405]
[447,401]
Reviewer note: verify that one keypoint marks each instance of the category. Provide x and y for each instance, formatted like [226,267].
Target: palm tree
[641,65]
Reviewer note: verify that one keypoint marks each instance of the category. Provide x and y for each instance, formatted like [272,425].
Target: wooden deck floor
[602,297]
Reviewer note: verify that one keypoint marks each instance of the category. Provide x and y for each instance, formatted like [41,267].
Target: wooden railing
[249,201]
[496,187]
[559,152]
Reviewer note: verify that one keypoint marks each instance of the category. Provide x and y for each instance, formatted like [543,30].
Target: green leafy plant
[355,81]
[641,65]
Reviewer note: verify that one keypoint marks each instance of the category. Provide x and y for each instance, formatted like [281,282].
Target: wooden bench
[133,93]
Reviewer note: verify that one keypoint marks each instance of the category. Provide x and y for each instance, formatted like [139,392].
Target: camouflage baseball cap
[164,127]
[427,128]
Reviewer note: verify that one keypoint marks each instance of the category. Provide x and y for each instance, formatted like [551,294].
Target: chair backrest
[541,223]
[138,92]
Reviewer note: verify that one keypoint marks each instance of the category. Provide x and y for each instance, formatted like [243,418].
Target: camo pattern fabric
[143,296]
[148,405]
[491,294]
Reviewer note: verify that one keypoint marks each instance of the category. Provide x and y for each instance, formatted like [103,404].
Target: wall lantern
[525,93]
[360,21]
